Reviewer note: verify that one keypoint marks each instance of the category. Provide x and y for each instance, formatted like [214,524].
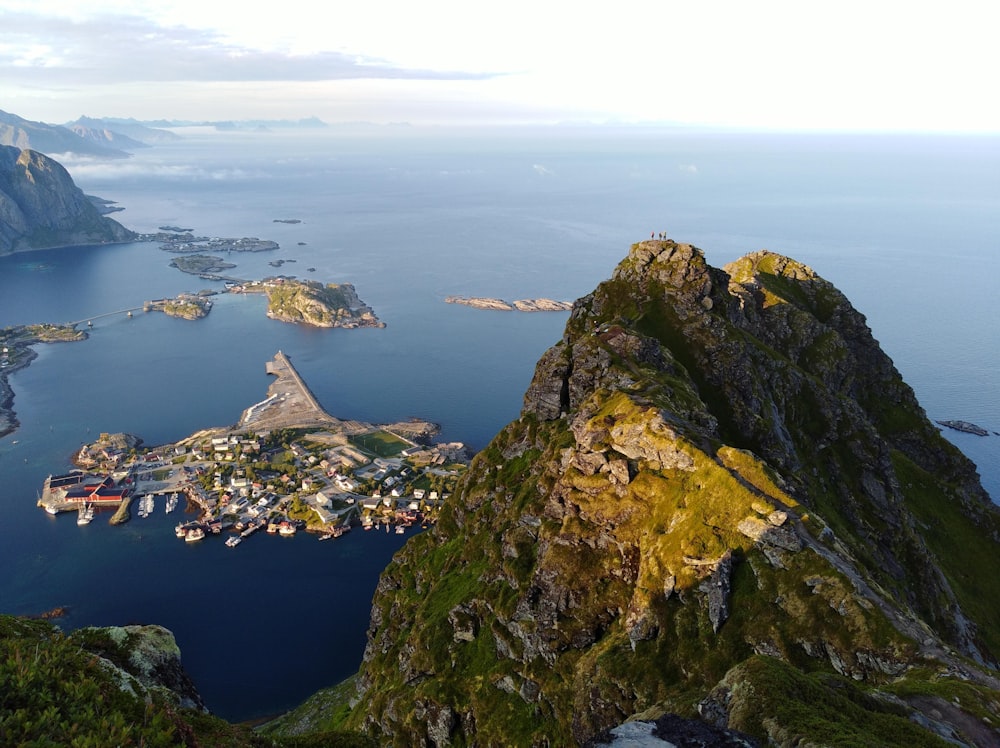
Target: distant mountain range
[113,137]
[51,139]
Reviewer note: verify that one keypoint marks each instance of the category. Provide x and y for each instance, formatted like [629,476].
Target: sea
[907,226]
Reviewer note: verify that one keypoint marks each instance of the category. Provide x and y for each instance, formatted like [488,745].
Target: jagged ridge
[719,489]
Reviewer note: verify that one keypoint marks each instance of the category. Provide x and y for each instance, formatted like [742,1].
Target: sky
[871,65]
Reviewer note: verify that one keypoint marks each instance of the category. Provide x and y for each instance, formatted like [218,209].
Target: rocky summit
[720,504]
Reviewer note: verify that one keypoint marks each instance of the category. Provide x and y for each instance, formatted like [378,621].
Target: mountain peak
[712,465]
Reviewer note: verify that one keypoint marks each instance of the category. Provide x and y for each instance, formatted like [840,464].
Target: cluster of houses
[332,482]
[237,479]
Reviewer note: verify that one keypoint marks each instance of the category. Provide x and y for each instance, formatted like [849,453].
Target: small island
[184,306]
[965,427]
[312,303]
[188,243]
[521,305]
[199,264]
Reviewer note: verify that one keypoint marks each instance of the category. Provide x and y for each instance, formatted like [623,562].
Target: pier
[290,403]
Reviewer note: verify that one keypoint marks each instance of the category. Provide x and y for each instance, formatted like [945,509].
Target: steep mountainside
[40,206]
[721,501]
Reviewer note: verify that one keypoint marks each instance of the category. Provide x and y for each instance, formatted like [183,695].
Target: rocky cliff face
[720,501]
[41,207]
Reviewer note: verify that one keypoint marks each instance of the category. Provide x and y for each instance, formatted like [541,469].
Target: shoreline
[27,250]
[8,417]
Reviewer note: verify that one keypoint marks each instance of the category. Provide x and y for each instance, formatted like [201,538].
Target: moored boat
[195,533]
[85,514]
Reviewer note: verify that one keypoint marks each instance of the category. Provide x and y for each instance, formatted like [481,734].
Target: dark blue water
[907,227]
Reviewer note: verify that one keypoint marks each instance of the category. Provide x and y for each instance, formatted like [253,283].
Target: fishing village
[286,467]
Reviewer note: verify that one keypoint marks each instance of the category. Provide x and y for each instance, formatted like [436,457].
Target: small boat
[400,529]
[233,540]
[195,533]
[85,515]
[172,502]
[286,529]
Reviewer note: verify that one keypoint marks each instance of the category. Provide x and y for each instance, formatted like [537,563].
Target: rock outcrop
[312,303]
[720,501]
[41,207]
[520,305]
[101,686]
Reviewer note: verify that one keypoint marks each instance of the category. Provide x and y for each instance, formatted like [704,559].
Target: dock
[290,403]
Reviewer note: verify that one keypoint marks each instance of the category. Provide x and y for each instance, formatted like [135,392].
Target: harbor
[287,467]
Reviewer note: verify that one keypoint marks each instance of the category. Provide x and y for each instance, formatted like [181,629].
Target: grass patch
[963,549]
[774,701]
[380,443]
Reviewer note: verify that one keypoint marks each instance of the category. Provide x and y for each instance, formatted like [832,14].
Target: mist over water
[906,227]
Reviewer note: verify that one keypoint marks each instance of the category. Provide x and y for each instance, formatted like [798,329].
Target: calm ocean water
[907,227]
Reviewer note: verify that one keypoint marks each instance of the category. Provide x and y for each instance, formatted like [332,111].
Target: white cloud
[773,63]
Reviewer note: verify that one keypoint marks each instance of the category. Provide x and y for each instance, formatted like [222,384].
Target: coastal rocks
[521,305]
[966,427]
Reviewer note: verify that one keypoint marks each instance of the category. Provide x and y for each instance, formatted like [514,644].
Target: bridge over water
[107,314]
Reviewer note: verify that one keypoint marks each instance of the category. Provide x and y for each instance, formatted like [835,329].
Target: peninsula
[16,353]
[287,465]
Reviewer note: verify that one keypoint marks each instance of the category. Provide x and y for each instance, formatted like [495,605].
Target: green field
[380,443]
